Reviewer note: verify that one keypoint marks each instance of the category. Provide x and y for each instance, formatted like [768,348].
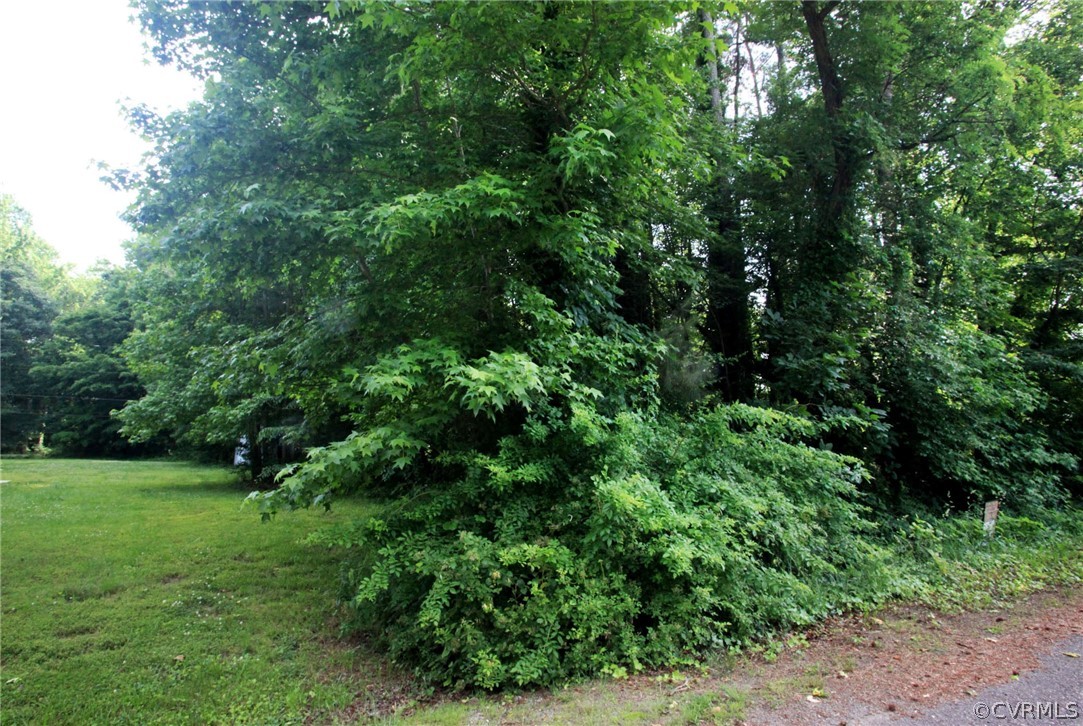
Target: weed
[724,707]
[847,664]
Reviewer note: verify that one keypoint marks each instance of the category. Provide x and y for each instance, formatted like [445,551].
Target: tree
[26,313]
[25,319]
[878,287]
[1032,216]
[487,200]
[62,374]
[79,375]
[220,294]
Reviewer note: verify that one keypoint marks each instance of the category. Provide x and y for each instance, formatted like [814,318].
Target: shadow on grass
[201,487]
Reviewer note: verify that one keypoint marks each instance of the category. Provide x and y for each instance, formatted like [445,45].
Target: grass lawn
[143,592]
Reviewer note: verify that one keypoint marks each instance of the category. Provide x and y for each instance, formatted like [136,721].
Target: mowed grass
[144,592]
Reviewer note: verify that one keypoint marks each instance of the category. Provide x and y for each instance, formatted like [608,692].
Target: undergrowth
[949,563]
[585,547]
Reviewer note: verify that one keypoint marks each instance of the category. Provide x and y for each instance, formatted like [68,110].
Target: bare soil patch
[909,659]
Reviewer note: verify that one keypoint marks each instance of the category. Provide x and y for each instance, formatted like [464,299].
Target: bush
[585,546]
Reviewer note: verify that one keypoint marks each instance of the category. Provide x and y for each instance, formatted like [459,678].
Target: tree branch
[827,8]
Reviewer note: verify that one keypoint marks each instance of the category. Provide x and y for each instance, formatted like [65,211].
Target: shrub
[585,545]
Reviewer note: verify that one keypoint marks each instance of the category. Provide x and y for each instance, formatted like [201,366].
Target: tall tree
[727,318]
[29,274]
[385,185]
[870,262]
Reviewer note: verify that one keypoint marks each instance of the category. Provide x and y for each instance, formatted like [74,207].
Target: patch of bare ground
[380,689]
[909,659]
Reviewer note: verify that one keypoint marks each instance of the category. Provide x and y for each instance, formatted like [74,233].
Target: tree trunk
[255,452]
[818,310]
[830,244]
[634,299]
[727,327]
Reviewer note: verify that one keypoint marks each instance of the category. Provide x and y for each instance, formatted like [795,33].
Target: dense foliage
[26,312]
[651,539]
[82,377]
[62,371]
[633,314]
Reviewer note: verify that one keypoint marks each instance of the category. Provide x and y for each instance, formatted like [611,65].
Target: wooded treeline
[637,313]
[60,338]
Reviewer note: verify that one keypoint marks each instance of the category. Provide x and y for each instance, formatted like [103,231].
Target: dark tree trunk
[830,254]
[634,300]
[830,84]
[255,453]
[828,248]
[727,327]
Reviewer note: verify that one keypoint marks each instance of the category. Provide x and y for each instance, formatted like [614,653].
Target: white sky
[67,66]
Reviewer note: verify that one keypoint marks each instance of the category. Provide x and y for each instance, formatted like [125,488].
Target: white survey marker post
[992,509]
